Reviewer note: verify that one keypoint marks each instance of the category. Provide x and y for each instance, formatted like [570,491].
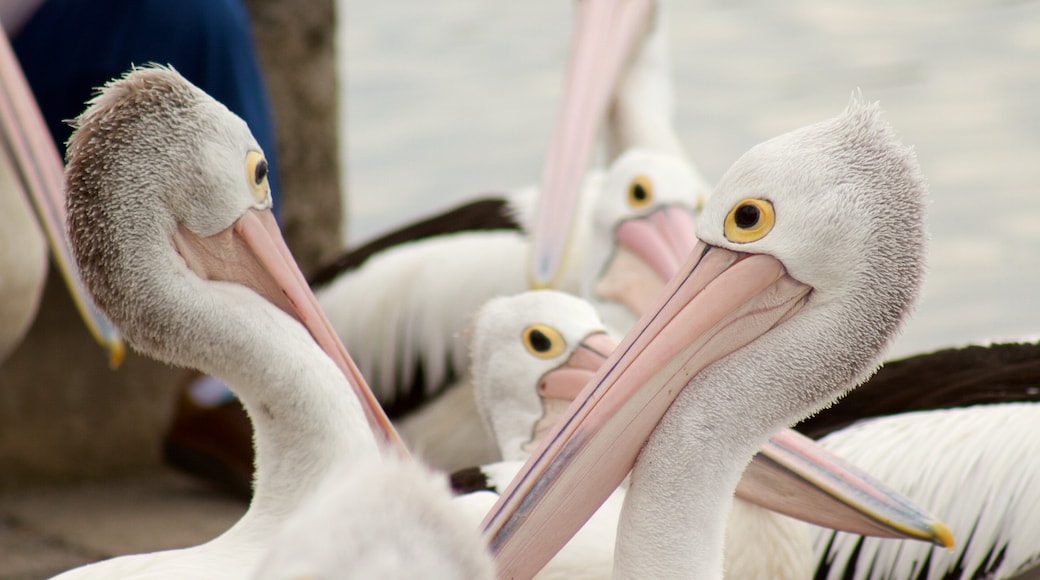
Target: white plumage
[380,518]
[975,466]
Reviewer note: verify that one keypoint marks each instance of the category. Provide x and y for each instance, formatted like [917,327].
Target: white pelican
[812,257]
[532,354]
[957,431]
[409,339]
[353,526]
[429,287]
[427,278]
[619,77]
[31,178]
[169,217]
[619,80]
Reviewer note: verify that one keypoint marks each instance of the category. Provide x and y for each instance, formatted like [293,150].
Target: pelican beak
[606,33]
[558,387]
[567,380]
[651,249]
[41,175]
[719,302]
[794,476]
[791,474]
[252,252]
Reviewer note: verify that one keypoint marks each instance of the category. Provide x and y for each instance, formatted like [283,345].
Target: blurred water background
[449,99]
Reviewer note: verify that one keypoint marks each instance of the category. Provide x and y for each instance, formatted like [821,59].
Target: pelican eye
[749,221]
[640,192]
[256,175]
[543,341]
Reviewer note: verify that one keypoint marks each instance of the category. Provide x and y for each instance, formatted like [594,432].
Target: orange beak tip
[116,354]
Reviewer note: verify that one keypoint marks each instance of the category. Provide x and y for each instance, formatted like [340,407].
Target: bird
[31,216]
[410,341]
[620,47]
[812,257]
[413,349]
[954,429]
[341,531]
[619,86]
[632,97]
[532,354]
[170,223]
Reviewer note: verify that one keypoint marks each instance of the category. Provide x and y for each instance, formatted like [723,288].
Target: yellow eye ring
[543,341]
[256,176]
[749,221]
[640,192]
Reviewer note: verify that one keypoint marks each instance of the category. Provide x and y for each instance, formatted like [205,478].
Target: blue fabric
[70,47]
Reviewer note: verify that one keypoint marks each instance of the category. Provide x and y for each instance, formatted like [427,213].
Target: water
[449,99]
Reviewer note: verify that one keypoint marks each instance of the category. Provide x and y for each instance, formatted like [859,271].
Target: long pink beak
[252,252]
[792,474]
[721,302]
[606,34]
[42,175]
[795,476]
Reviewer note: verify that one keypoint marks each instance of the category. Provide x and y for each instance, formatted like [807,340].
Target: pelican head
[211,199]
[530,361]
[642,231]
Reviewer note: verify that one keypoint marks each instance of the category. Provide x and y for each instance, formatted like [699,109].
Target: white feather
[975,467]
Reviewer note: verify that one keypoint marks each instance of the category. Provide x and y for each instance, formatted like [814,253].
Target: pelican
[412,347]
[351,527]
[628,89]
[618,83]
[812,256]
[980,471]
[619,75]
[31,187]
[416,353]
[410,339]
[170,222]
[532,354]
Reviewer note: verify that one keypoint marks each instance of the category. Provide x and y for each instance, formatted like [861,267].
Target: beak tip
[116,353]
[541,277]
[942,535]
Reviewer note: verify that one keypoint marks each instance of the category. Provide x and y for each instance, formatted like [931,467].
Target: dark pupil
[260,172]
[638,192]
[746,216]
[539,342]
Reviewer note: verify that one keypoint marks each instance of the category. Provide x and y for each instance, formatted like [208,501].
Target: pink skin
[724,301]
[661,240]
[43,175]
[252,252]
[606,33]
[558,387]
[566,381]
